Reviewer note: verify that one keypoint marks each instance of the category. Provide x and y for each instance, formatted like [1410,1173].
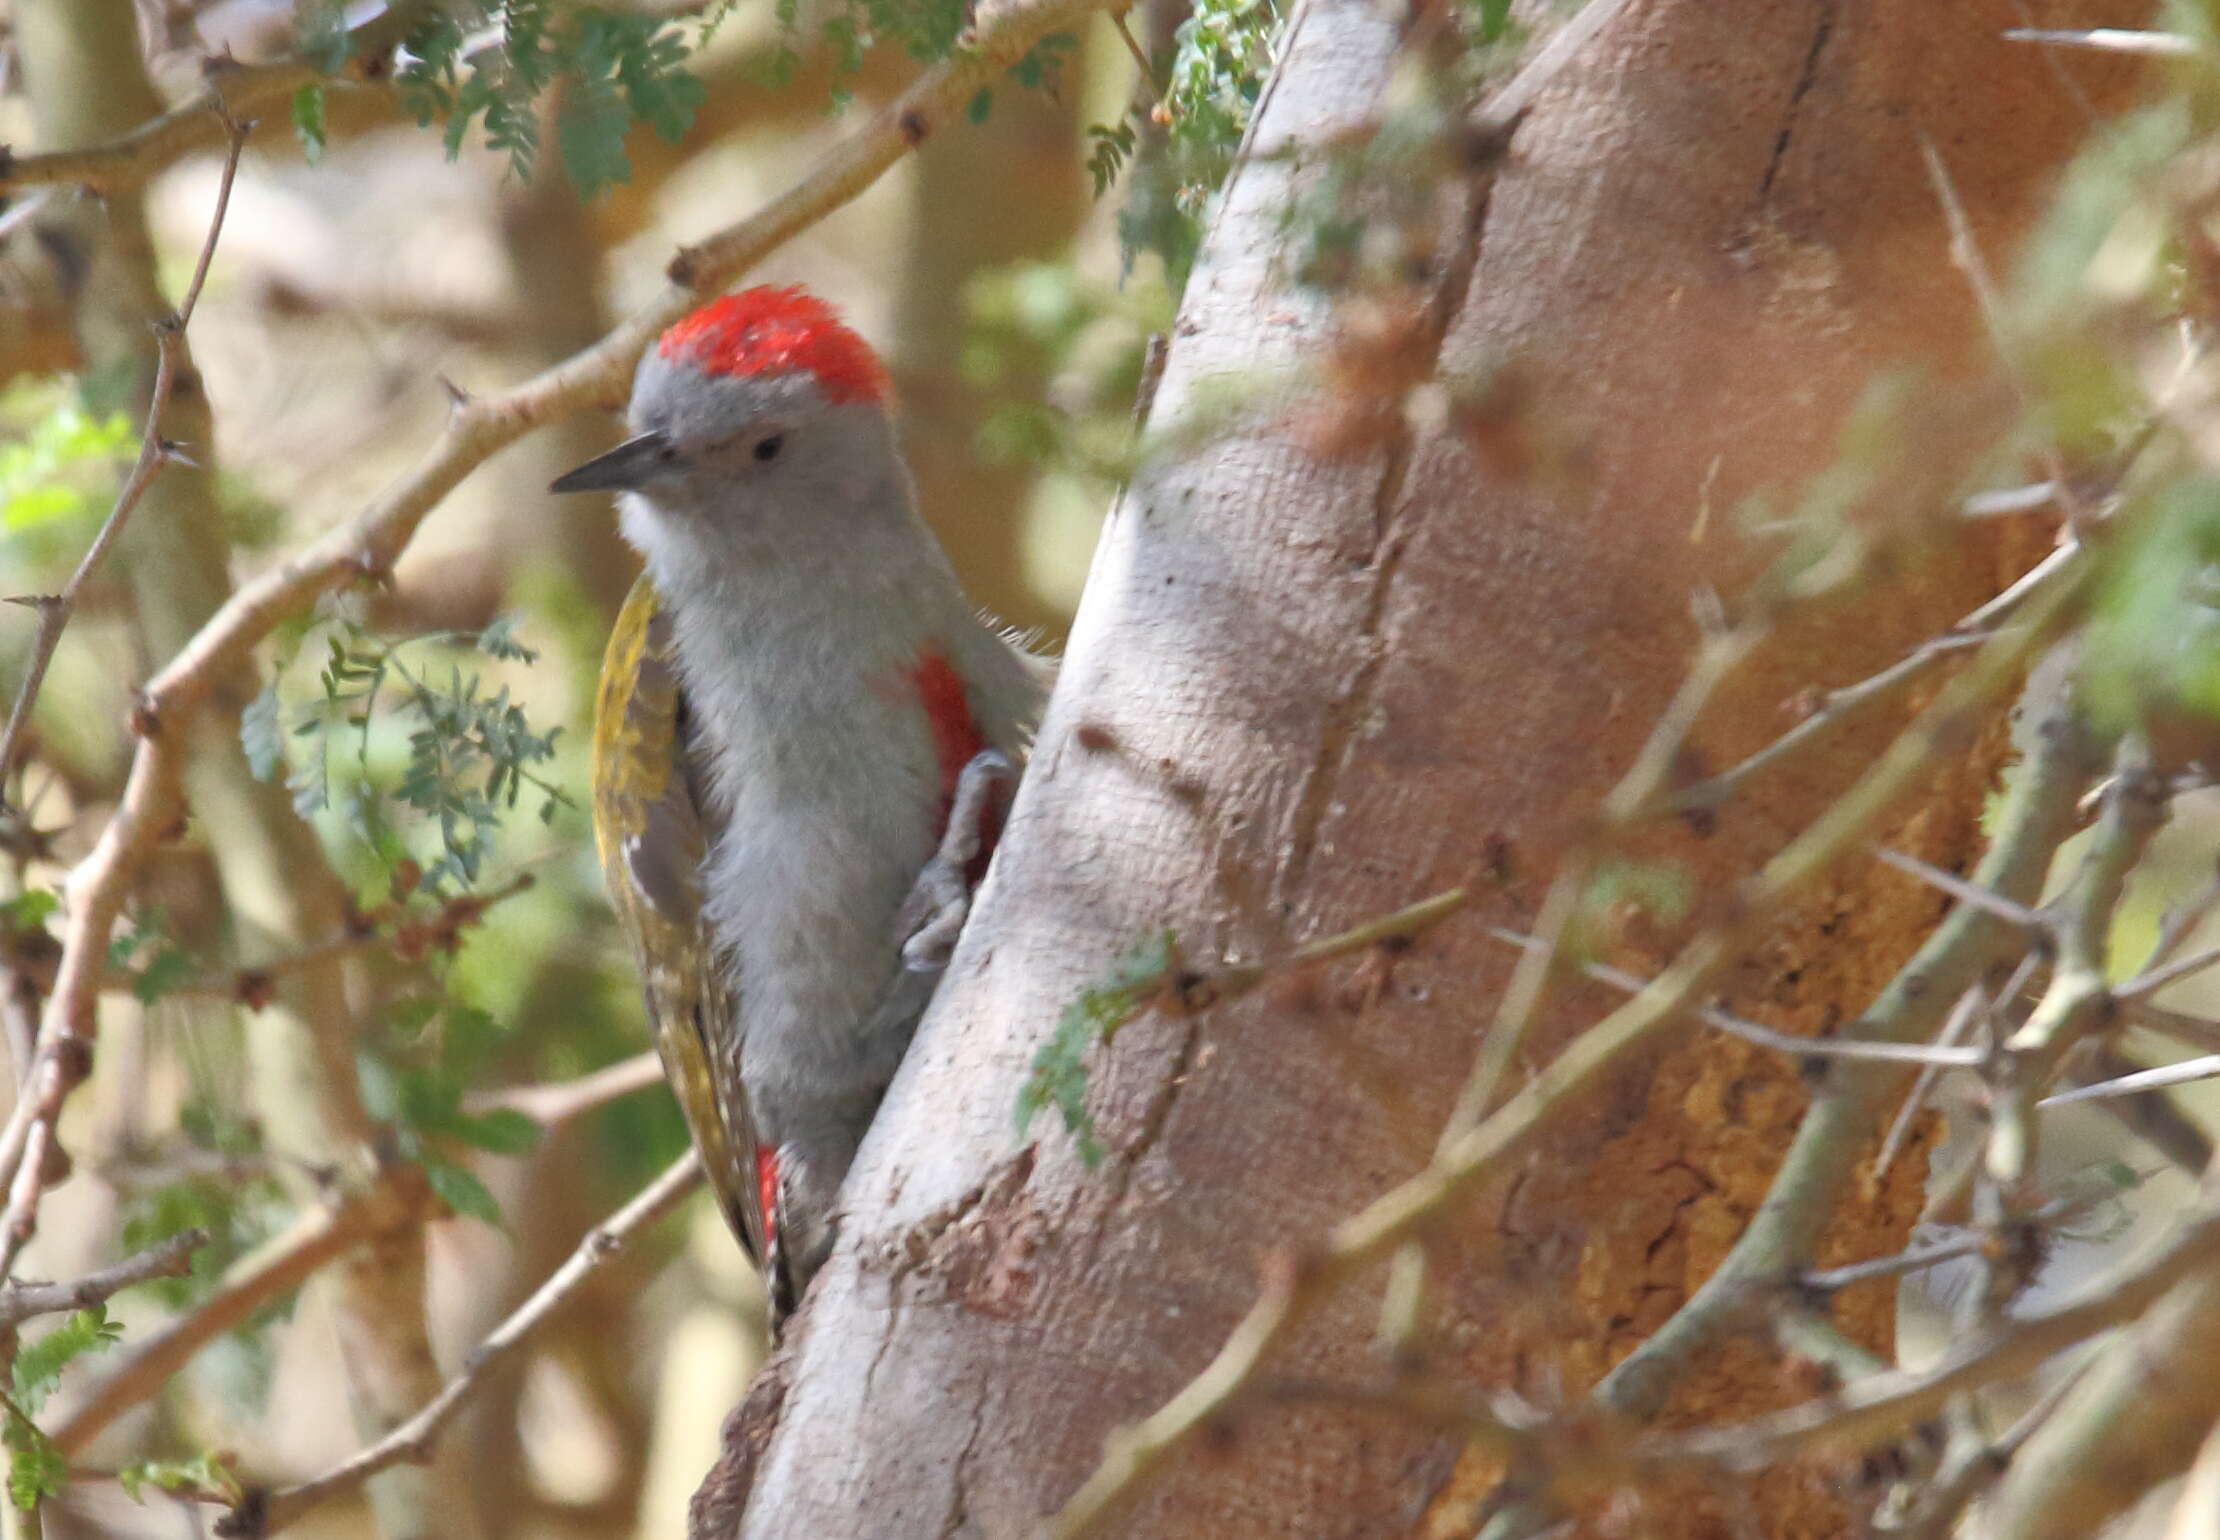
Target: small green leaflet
[616,69]
[36,1468]
[203,1474]
[38,1368]
[156,964]
[1059,1074]
[262,733]
[461,1191]
[308,120]
[31,908]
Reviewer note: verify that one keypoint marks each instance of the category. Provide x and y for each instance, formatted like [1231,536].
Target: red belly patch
[956,735]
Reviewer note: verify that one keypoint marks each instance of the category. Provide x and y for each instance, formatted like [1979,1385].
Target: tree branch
[172,1258]
[237,96]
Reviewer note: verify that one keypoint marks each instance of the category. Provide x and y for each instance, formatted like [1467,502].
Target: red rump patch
[779,331]
[767,1192]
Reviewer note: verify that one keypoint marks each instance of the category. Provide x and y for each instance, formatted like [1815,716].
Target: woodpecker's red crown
[770,331]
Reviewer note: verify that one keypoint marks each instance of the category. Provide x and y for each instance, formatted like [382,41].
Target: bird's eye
[767,449]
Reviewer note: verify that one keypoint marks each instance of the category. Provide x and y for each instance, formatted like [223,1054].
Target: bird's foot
[933,916]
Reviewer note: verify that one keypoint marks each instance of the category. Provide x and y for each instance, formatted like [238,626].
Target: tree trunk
[1304,690]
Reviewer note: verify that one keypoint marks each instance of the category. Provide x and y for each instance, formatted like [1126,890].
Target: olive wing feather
[651,829]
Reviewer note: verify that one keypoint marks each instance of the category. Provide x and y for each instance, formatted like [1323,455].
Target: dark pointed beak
[632,464]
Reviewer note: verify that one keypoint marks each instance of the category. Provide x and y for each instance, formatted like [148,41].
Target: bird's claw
[933,916]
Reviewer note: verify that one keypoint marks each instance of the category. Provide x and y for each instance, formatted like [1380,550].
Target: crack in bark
[1153,1122]
[959,1480]
[891,1328]
[1346,712]
[1804,82]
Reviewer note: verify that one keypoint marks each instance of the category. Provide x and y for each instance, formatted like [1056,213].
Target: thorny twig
[1939,1055]
[409,933]
[2203,1067]
[1965,255]
[2057,1211]
[314,1241]
[1878,1408]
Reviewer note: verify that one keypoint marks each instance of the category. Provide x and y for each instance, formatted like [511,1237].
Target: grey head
[756,418]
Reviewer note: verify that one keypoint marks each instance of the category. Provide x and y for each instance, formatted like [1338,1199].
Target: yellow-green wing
[650,827]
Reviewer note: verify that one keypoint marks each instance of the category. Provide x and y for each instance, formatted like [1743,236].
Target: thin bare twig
[1147,74]
[2181,922]
[1965,255]
[171,1258]
[2197,1031]
[1939,1054]
[557,1103]
[1957,887]
[2203,1067]
[1962,1015]
[1838,706]
[411,933]
[155,452]
[23,211]
[2059,1210]
[1633,798]
[2004,502]
[28,1140]
[1198,991]
[1885,1405]
[2150,45]
[1974,1463]
[2075,1002]
[413,1439]
[2151,1116]
[2152,980]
